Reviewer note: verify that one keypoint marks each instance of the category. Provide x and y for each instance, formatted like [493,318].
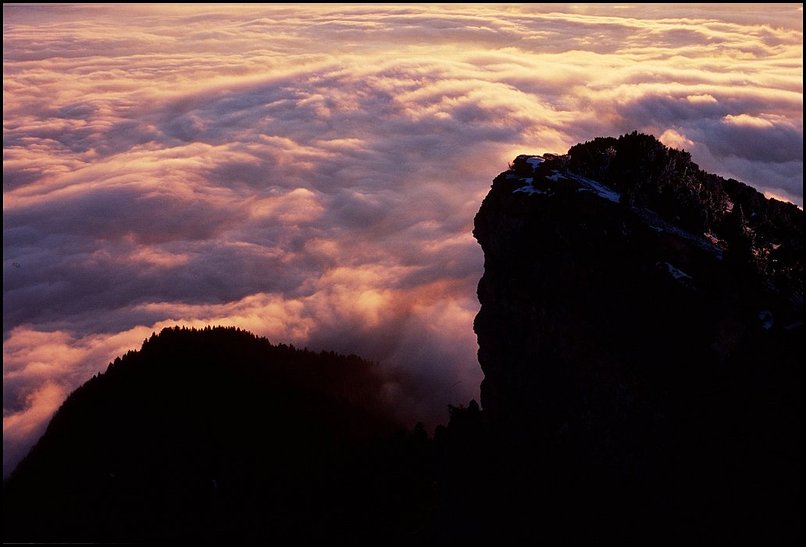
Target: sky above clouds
[311,172]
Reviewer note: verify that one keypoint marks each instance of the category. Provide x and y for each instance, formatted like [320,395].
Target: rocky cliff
[656,369]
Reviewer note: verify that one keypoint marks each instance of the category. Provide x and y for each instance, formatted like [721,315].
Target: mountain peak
[643,318]
[665,187]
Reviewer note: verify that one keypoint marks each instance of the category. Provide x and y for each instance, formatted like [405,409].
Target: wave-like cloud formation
[311,173]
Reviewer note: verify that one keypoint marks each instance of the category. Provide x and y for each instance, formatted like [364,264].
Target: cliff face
[661,361]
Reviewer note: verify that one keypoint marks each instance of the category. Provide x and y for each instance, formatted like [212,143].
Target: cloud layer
[311,173]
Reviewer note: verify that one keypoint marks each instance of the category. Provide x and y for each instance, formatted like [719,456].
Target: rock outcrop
[656,370]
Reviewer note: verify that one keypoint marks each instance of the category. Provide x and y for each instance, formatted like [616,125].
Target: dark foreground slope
[217,435]
[642,345]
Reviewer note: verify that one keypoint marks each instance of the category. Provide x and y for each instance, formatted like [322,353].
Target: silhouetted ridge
[217,434]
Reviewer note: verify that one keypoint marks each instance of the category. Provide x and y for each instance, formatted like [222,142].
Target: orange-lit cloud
[27,424]
[311,173]
[673,139]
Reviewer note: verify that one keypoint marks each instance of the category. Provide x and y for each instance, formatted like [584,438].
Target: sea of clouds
[311,173]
